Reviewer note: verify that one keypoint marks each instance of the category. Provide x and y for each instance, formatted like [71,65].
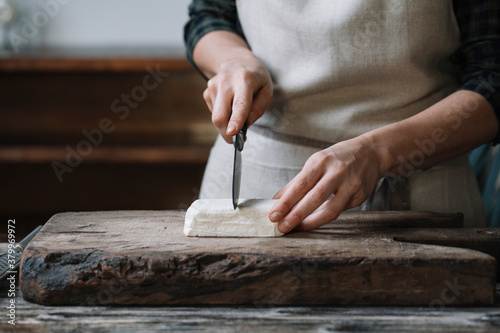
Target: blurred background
[99,110]
[94,23]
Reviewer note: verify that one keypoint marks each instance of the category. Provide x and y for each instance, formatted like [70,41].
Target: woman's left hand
[349,170]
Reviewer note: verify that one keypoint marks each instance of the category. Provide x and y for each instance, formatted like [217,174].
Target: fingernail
[231,128]
[276,216]
[284,227]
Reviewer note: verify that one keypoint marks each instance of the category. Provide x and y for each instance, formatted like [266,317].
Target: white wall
[95,23]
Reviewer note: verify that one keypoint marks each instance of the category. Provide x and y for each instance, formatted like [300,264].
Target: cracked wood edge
[192,271]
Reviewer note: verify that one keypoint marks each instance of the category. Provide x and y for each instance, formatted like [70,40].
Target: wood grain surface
[143,258]
[34,318]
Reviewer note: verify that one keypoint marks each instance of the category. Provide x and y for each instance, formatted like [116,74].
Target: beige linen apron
[342,68]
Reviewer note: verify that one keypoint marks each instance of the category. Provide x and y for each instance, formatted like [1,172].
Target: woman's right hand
[240,88]
[241,92]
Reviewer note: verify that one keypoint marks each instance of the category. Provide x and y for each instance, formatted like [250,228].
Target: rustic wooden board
[143,258]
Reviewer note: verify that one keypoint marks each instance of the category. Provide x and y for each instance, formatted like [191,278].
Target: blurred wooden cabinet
[99,130]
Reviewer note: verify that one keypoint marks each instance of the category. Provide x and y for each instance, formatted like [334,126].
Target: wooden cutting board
[143,258]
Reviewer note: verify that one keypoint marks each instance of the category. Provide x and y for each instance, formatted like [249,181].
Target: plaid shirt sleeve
[479,53]
[206,16]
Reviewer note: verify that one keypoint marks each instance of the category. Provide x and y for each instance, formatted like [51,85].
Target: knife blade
[238,143]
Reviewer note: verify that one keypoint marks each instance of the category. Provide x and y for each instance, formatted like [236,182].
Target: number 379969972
[11,238]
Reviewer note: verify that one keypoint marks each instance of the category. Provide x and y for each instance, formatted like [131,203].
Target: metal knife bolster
[238,143]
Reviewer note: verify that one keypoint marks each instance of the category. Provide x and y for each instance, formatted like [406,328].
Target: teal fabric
[486,163]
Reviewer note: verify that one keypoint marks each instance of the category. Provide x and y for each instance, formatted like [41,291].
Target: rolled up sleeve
[206,16]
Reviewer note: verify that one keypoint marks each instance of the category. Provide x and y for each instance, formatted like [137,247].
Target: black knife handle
[240,138]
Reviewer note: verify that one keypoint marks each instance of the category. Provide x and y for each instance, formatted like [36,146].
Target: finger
[261,102]
[279,193]
[327,212]
[276,216]
[294,192]
[298,187]
[222,112]
[242,102]
[307,205]
[208,99]
[356,200]
[313,217]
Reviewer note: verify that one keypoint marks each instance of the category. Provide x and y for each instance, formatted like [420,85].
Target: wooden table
[437,316]
[37,318]
[129,258]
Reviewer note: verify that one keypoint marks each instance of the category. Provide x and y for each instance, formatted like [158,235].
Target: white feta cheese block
[217,218]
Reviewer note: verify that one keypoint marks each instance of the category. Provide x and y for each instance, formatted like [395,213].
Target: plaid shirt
[478,56]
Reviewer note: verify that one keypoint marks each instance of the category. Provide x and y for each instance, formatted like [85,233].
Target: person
[350,104]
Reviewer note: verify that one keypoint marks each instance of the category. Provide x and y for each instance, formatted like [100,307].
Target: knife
[238,142]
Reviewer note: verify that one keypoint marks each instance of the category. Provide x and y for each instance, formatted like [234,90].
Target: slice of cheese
[217,218]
